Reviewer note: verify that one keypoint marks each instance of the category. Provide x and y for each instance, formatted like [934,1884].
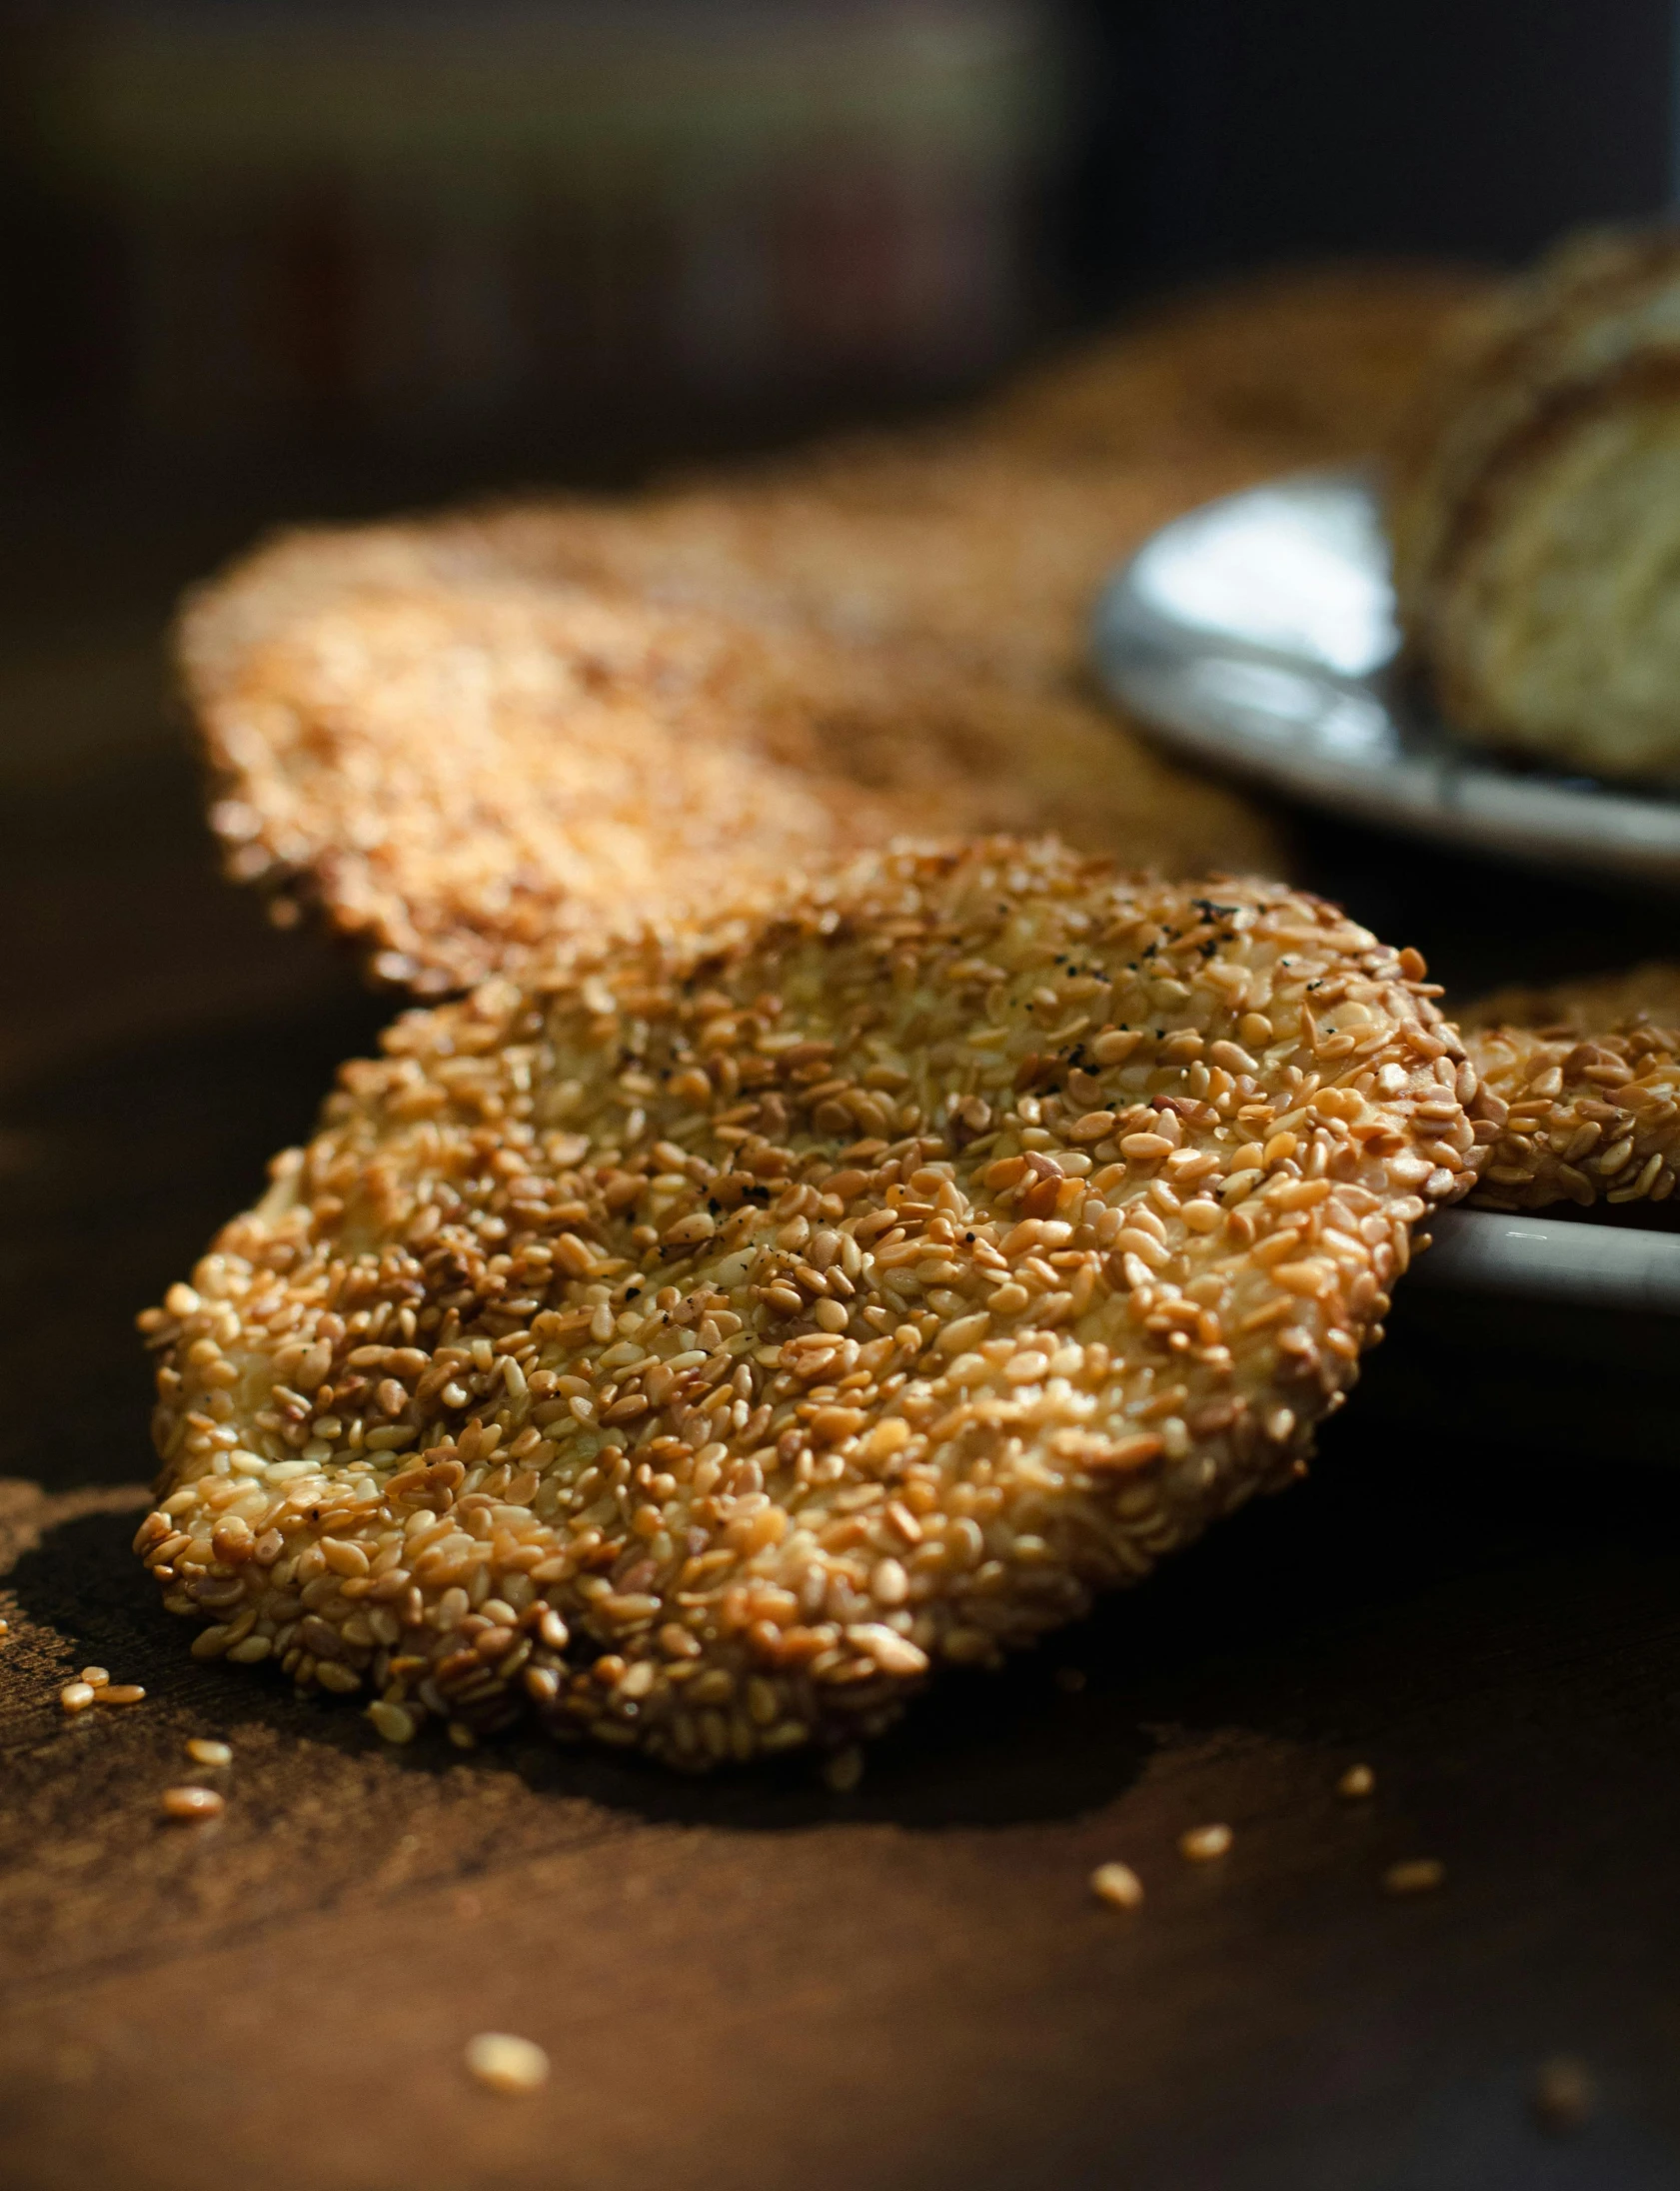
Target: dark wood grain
[751,1982]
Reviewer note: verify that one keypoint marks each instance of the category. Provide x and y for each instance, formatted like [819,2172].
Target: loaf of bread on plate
[1535,513]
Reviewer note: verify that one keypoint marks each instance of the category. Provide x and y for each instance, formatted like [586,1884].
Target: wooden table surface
[751,1982]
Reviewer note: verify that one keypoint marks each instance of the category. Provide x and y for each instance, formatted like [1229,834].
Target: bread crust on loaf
[1531,509]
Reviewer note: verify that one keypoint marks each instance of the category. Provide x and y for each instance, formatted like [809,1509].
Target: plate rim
[1148,663]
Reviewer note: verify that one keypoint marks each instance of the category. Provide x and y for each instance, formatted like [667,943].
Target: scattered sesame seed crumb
[1357,1781]
[389,1722]
[203,1751]
[843,1770]
[1417,1875]
[1118,1885]
[1203,1843]
[96,1678]
[504,2064]
[1564,2095]
[120,1693]
[75,1696]
[191,1803]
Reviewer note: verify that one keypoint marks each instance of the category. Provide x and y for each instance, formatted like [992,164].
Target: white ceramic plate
[1552,1259]
[1257,633]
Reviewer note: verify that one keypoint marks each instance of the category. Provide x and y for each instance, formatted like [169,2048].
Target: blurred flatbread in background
[1310,366]
[474,768]
[475,741]
[1595,1004]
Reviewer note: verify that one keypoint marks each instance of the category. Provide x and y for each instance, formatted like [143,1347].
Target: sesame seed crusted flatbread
[701,1351]
[1585,1082]
[477,744]
[486,744]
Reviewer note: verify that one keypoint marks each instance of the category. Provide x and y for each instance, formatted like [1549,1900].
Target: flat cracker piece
[700,1352]
[479,743]
[1587,1077]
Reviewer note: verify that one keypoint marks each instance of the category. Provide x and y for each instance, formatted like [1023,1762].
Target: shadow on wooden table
[1282,1625]
[982,1749]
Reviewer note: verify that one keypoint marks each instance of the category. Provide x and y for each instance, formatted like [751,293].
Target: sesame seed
[1118,1885]
[1417,1875]
[203,1751]
[96,1678]
[391,1722]
[1355,1782]
[504,2064]
[76,1696]
[1202,1844]
[190,1804]
[120,1693]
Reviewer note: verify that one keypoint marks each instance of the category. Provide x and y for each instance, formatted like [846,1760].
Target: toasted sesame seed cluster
[1584,1080]
[699,1351]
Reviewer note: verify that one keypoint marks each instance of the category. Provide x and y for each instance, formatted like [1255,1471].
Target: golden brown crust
[1584,1079]
[700,1352]
[478,742]
[1511,356]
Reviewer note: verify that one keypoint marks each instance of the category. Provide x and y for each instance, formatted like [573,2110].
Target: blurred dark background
[437,242]
[1220,136]
[265,259]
